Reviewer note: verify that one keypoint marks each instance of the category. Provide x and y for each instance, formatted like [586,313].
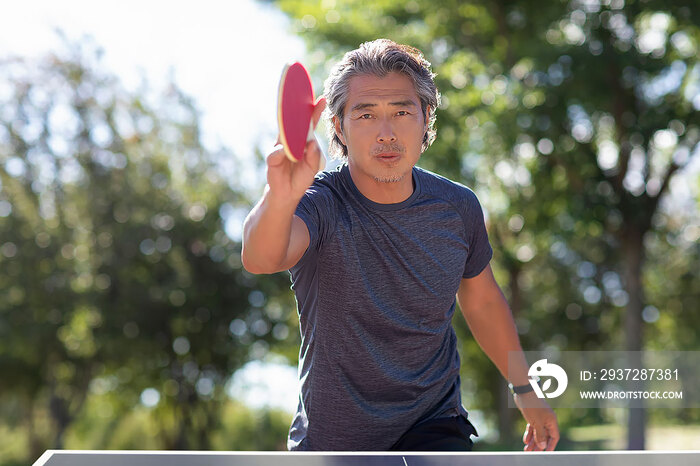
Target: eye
[365,116]
[402,113]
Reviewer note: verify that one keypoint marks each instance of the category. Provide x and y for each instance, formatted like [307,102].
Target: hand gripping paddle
[295,107]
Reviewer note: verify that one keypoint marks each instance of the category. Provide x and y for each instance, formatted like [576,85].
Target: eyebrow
[401,103]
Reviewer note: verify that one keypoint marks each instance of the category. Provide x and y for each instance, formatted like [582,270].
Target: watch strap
[520,389]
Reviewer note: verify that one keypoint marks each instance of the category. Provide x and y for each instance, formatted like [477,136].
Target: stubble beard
[390,178]
[395,177]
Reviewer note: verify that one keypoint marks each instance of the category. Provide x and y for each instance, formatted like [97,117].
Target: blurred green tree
[571,120]
[116,273]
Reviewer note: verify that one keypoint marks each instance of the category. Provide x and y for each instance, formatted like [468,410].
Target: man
[379,252]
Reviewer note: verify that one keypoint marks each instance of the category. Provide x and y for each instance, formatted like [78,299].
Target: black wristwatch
[520,389]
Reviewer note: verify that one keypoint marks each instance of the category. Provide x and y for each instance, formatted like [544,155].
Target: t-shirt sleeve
[479,249]
[315,210]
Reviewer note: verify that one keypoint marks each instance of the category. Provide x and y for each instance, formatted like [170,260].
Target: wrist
[526,396]
[278,200]
[521,389]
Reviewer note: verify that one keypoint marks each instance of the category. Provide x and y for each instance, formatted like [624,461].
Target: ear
[338,130]
[425,122]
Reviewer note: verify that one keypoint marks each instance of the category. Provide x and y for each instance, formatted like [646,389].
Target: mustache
[389,148]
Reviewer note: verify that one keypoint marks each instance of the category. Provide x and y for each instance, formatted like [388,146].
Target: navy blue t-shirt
[376,291]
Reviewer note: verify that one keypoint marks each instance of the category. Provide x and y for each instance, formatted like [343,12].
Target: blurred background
[132,145]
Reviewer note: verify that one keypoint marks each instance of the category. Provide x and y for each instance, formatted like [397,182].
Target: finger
[553,439]
[528,439]
[319,106]
[317,161]
[551,444]
[530,446]
[527,435]
[540,437]
[277,156]
[312,153]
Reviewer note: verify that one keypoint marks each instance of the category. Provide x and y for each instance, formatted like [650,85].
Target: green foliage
[242,428]
[116,274]
[570,120]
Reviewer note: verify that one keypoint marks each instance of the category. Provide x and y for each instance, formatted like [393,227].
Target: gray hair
[379,58]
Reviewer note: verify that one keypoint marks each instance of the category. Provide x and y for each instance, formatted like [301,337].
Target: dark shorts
[440,434]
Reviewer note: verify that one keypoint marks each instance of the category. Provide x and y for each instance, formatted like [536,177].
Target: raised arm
[489,318]
[274,239]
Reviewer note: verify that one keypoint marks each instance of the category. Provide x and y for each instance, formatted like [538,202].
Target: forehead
[371,88]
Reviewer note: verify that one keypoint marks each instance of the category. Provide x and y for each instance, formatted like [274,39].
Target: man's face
[383,127]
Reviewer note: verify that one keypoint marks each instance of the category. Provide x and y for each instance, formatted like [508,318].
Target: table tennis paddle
[295,107]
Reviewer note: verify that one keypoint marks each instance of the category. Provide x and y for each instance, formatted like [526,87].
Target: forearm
[494,330]
[266,233]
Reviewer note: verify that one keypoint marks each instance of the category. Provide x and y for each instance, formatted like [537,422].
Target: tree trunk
[36,443]
[506,423]
[633,247]
[506,418]
[61,417]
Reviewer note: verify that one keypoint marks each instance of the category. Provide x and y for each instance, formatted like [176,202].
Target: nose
[386,133]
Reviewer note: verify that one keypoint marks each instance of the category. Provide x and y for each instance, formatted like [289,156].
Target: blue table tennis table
[211,458]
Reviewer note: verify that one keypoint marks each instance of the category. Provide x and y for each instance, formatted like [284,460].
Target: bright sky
[228,55]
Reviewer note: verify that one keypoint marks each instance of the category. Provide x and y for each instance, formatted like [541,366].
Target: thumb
[277,157]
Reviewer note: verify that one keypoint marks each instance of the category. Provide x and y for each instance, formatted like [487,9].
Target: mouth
[388,156]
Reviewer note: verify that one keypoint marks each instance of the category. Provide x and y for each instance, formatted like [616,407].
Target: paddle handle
[309,137]
[310,134]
